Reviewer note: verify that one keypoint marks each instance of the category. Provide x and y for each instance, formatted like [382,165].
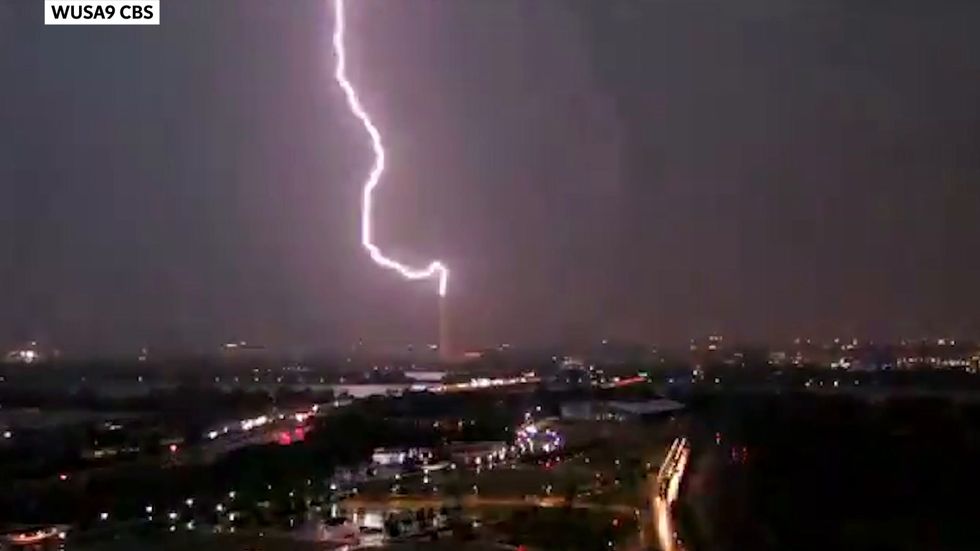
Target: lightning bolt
[435,269]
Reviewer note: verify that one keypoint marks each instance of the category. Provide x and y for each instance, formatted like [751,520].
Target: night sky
[634,169]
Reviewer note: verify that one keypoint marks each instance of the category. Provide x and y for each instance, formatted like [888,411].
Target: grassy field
[605,463]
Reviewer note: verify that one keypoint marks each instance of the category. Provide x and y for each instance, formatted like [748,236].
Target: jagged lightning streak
[435,269]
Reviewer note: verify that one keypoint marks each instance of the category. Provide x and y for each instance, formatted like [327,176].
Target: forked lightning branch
[435,269]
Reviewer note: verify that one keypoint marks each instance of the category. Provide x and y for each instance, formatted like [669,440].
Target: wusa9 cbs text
[101,12]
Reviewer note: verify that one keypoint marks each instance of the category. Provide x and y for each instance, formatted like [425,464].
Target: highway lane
[417,502]
[664,492]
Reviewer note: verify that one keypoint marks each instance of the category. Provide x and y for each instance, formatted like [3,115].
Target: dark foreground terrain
[805,472]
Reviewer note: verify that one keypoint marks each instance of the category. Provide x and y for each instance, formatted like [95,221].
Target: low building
[399,456]
[477,452]
[617,410]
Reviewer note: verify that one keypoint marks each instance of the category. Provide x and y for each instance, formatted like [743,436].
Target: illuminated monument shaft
[434,269]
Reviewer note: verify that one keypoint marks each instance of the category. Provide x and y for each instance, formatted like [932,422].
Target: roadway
[418,502]
[664,491]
